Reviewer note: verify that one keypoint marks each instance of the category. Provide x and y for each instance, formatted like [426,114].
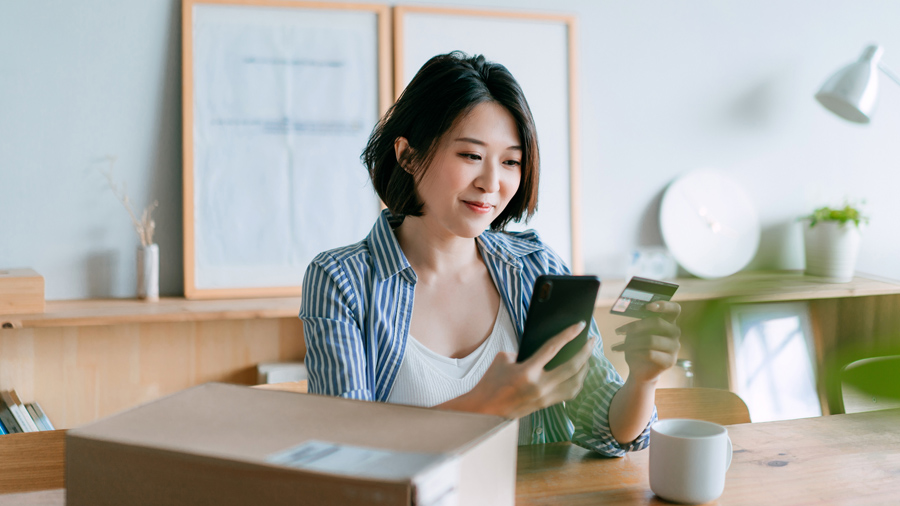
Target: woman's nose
[489,178]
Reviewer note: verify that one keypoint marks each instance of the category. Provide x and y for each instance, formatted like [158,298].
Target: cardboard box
[232,445]
[21,291]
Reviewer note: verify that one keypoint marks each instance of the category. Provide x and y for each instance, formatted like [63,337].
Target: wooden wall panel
[80,374]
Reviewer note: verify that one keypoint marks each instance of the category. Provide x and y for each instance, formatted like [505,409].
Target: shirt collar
[509,247]
[387,255]
[389,258]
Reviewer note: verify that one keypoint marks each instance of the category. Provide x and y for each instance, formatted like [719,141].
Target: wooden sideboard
[848,320]
[86,359]
[83,360]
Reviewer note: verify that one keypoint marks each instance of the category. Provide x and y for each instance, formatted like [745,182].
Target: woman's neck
[433,252]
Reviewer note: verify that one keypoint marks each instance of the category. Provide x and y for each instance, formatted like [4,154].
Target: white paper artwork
[284,101]
[535,52]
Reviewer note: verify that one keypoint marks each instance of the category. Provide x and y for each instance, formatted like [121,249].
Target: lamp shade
[852,91]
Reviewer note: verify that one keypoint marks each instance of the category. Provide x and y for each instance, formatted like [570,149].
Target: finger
[651,342]
[570,388]
[660,359]
[571,367]
[647,326]
[505,357]
[549,349]
[667,310]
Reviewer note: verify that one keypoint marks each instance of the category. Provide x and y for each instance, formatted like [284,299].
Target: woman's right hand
[514,390]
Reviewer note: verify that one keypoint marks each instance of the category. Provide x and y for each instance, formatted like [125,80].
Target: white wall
[666,86]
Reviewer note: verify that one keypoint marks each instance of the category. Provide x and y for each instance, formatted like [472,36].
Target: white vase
[831,249]
[148,272]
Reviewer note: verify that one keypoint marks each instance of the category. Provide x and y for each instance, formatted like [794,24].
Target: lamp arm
[888,73]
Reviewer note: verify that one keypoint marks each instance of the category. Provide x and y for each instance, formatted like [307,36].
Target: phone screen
[557,302]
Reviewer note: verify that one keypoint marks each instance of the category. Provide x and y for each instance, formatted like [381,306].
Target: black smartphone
[558,302]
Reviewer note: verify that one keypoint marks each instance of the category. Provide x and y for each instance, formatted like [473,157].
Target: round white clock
[709,224]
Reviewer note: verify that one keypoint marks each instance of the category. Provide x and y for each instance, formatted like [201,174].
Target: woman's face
[475,172]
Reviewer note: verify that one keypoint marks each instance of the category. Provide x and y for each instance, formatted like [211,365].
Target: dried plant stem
[146,226]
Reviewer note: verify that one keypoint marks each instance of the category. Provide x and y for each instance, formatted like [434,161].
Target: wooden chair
[880,379]
[710,404]
[299,387]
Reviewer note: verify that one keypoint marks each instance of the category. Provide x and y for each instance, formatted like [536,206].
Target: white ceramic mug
[688,460]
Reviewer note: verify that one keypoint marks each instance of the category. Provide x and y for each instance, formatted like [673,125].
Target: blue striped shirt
[356,309]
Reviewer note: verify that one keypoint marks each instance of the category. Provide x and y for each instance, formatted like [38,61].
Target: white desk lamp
[852,92]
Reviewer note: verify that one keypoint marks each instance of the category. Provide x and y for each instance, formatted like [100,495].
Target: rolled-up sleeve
[335,357]
[589,411]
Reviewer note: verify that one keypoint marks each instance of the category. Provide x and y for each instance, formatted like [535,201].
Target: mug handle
[728,458]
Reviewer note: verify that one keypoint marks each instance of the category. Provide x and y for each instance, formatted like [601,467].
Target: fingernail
[654,306]
[582,324]
[620,332]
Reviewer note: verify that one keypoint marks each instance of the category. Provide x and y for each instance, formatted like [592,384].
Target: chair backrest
[880,379]
[300,387]
[709,404]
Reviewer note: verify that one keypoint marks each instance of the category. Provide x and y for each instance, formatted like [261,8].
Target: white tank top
[427,378]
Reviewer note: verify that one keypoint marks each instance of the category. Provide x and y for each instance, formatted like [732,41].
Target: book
[35,417]
[3,428]
[25,415]
[43,416]
[7,417]
[22,417]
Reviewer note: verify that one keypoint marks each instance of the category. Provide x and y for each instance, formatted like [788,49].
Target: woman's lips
[478,207]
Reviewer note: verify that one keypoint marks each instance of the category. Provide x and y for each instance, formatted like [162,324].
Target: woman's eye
[514,163]
[470,156]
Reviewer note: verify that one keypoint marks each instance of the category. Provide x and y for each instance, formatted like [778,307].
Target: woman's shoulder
[357,252]
[528,247]
[527,240]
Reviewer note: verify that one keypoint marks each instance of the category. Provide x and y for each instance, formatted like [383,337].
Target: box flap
[248,424]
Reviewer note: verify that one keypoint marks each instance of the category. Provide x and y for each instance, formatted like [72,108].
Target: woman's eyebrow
[482,143]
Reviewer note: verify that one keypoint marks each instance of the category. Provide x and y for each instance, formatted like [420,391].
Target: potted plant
[831,239]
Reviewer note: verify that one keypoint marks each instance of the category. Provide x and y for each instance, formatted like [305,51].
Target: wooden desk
[839,459]
[849,320]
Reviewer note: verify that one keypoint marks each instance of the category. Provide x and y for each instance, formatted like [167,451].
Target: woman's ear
[403,152]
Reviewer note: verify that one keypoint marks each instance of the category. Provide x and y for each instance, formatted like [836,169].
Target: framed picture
[772,360]
[539,50]
[279,99]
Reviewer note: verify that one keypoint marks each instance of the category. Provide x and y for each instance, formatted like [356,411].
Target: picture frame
[772,363]
[543,57]
[279,98]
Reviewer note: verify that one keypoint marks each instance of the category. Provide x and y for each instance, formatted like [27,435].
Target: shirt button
[539,431]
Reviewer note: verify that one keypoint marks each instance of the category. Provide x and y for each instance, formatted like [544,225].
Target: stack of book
[18,417]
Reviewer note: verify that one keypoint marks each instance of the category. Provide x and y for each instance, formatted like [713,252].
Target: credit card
[638,293]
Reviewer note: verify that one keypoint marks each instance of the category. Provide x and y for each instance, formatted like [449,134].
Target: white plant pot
[831,249]
[148,272]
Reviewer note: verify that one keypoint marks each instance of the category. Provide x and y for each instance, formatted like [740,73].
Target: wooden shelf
[32,461]
[760,286]
[70,313]
[763,286]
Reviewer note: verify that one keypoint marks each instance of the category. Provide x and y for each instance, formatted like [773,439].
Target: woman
[428,309]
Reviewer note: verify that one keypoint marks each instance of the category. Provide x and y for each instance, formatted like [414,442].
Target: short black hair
[444,90]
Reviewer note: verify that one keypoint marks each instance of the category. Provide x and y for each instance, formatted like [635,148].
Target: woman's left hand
[651,345]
